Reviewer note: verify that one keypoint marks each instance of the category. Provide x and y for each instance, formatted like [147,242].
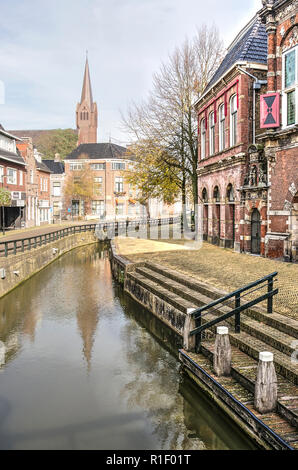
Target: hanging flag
[269,110]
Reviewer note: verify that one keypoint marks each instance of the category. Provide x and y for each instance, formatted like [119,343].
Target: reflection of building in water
[31,320]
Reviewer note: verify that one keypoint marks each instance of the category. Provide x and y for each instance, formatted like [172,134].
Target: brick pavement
[220,267]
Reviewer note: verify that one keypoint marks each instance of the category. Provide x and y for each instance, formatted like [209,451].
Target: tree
[151,175]
[168,118]
[79,186]
[5,197]
[61,141]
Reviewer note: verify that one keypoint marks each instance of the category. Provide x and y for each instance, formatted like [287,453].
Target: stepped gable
[249,46]
[97,151]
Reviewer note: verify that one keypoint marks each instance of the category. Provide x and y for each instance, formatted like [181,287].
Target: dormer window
[290,85]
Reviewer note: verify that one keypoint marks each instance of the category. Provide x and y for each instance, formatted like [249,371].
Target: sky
[43,51]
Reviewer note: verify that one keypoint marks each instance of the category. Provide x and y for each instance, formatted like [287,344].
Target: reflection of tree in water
[155,388]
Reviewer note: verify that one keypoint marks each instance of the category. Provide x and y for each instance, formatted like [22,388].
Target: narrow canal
[86,368]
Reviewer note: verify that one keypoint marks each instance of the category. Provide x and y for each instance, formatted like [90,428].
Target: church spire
[87,89]
[86,112]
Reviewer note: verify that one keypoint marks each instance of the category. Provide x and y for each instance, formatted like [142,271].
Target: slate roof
[56,167]
[41,166]
[250,46]
[12,157]
[98,151]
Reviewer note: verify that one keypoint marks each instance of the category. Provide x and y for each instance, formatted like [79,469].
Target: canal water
[86,368]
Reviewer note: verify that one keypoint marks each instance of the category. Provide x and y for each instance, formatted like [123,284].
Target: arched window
[203,139]
[222,127]
[205,196]
[211,133]
[216,195]
[230,193]
[233,120]
[81,116]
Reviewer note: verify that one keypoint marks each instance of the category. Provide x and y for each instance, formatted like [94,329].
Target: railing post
[237,315]
[15,247]
[198,336]
[270,299]
[23,246]
[6,249]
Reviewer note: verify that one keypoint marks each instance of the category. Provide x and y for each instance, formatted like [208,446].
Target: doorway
[255,232]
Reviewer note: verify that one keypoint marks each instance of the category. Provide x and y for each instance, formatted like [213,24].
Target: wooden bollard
[266,384]
[222,352]
[189,342]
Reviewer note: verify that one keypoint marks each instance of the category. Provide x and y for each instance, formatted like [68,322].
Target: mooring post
[189,342]
[222,352]
[266,384]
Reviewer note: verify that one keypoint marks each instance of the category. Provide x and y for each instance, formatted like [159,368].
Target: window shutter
[269,112]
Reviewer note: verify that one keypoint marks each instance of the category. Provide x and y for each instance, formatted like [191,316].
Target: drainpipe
[256,86]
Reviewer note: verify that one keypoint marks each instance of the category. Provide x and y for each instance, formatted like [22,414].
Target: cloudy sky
[44,43]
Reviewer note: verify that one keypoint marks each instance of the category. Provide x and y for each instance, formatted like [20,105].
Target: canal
[86,368]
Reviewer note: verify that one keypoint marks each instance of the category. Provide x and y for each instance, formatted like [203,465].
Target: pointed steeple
[87,89]
[86,112]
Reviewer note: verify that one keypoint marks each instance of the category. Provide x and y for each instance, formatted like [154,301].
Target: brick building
[280,138]
[44,215]
[105,163]
[12,179]
[57,178]
[25,148]
[231,172]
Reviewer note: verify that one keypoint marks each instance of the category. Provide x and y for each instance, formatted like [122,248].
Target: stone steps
[270,335]
[254,337]
[283,324]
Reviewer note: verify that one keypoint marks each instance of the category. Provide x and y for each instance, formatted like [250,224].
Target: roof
[250,45]
[12,157]
[56,167]
[97,151]
[87,90]
[41,166]
[8,134]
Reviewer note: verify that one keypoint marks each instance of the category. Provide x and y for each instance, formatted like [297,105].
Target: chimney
[57,157]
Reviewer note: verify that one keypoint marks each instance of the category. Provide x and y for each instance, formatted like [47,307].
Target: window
[56,188]
[97,185]
[56,208]
[118,166]
[222,127]
[211,134]
[1,174]
[31,177]
[97,166]
[233,120]
[20,178]
[11,176]
[45,184]
[203,138]
[216,195]
[290,85]
[119,184]
[98,208]
[76,166]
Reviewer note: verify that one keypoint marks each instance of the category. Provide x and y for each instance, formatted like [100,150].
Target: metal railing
[28,243]
[236,297]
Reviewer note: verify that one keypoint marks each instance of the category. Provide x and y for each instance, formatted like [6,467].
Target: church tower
[86,112]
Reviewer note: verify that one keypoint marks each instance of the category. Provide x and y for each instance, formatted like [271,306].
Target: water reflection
[87,368]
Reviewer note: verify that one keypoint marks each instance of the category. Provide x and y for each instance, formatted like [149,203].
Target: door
[255,232]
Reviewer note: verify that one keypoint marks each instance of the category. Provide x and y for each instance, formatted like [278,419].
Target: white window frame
[31,177]
[20,178]
[203,139]
[1,174]
[119,184]
[289,89]
[120,166]
[233,124]
[97,166]
[56,185]
[76,166]
[211,133]
[9,181]
[222,131]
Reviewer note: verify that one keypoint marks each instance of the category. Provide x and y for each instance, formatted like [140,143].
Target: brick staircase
[260,331]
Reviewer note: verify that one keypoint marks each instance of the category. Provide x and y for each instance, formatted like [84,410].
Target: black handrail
[197,313]
[27,243]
